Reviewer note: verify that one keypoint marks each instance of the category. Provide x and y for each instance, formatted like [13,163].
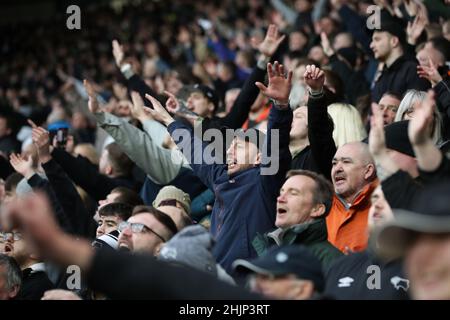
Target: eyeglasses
[16,236]
[138,228]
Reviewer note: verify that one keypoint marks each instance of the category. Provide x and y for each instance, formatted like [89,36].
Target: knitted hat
[191,247]
[108,241]
[173,193]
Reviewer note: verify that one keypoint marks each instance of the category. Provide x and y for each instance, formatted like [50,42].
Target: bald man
[354,178]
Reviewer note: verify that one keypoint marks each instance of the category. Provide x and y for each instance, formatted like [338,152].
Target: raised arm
[24,166]
[241,107]
[65,191]
[433,165]
[160,164]
[320,126]
[189,143]
[276,158]
[135,83]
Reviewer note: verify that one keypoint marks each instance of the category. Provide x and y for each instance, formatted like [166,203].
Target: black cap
[208,92]
[392,25]
[278,261]
[430,213]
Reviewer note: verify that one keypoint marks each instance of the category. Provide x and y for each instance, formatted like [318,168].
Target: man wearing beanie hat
[288,272]
[192,247]
[397,70]
[175,203]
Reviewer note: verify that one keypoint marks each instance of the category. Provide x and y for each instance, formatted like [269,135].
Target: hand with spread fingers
[24,166]
[137,108]
[429,72]
[420,126]
[41,139]
[279,86]
[270,43]
[94,107]
[158,112]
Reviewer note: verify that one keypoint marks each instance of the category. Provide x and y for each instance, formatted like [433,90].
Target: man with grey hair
[10,277]
[354,178]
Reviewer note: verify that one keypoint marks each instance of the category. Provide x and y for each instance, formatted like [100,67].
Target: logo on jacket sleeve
[398,283]
[345,282]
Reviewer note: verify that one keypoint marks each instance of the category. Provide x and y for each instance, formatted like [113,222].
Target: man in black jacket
[364,275]
[34,277]
[399,72]
[422,238]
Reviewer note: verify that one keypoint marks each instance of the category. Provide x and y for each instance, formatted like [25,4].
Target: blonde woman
[348,125]
[407,108]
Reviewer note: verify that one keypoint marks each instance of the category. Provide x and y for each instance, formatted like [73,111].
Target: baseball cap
[208,92]
[279,261]
[173,193]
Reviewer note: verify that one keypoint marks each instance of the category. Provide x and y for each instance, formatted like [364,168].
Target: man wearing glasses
[146,231]
[34,277]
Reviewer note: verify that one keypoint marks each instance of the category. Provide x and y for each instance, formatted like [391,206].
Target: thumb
[261,87]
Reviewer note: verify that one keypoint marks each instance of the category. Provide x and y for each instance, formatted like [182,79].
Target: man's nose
[281,198]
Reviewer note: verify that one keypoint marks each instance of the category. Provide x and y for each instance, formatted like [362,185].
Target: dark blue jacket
[186,180]
[245,203]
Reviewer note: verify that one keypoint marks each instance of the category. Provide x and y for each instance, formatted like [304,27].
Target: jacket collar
[362,197]
[305,233]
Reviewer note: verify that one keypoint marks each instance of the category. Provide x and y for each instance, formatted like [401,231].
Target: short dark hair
[127,196]
[120,162]
[13,273]
[163,218]
[122,210]
[442,45]
[335,80]
[323,193]
[392,94]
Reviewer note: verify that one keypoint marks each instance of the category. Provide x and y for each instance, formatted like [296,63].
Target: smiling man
[304,202]
[354,178]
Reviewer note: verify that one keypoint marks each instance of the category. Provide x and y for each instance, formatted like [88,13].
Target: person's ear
[211,107]
[395,42]
[318,210]
[108,170]
[305,290]
[258,158]
[158,249]
[370,171]
[14,291]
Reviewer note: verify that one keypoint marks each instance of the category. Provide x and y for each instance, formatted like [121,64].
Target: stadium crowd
[262,149]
